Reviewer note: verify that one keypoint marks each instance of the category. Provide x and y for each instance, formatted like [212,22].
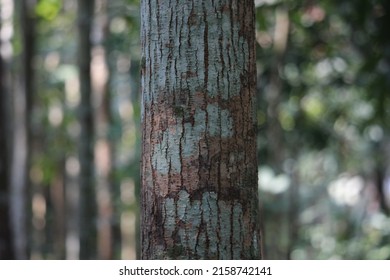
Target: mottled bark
[88,208]
[199,167]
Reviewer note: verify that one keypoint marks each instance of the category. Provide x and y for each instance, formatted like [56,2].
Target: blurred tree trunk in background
[88,208]
[276,233]
[21,105]
[382,148]
[56,194]
[6,242]
[275,88]
[199,166]
[111,135]
[6,251]
[108,226]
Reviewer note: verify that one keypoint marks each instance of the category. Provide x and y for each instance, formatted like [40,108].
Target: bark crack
[231,228]
[199,230]
[181,152]
[206,49]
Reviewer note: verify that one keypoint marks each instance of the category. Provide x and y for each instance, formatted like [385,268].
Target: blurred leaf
[48,9]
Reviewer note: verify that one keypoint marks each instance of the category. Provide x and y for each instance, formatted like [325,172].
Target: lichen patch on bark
[206,227]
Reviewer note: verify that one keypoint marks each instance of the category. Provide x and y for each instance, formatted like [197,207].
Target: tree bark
[199,166]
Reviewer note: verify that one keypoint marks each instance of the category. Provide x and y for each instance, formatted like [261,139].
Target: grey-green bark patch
[255,247]
[169,217]
[225,211]
[182,204]
[166,154]
[226,64]
[220,122]
[221,234]
[176,252]
[209,46]
[188,212]
[193,132]
[209,210]
[237,240]
[182,139]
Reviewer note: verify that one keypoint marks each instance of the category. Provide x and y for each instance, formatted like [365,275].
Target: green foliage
[333,114]
[48,9]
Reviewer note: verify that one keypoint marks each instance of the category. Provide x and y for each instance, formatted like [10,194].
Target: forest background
[323,90]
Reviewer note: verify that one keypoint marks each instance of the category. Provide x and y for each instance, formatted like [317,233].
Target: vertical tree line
[88,207]
[60,195]
[16,98]
[6,241]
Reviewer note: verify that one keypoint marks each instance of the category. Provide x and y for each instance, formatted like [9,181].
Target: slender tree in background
[108,227]
[5,230]
[21,104]
[110,134]
[199,167]
[88,215]
[6,242]
[275,235]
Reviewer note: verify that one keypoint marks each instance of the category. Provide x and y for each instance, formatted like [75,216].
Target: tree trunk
[21,105]
[6,252]
[104,149]
[276,237]
[112,136]
[88,233]
[199,166]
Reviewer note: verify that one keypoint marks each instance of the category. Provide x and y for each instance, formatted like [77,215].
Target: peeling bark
[199,166]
